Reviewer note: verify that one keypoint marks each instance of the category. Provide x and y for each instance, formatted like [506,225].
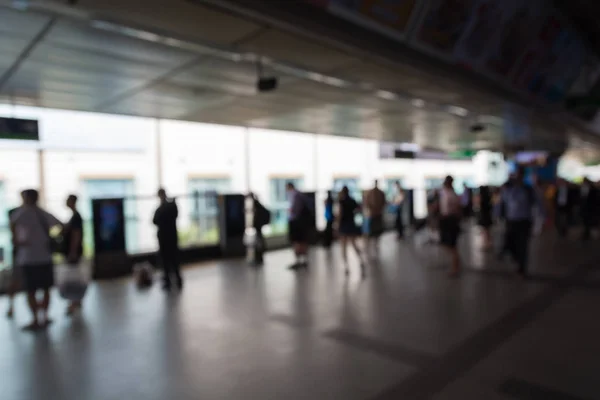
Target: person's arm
[52,221]
[175,209]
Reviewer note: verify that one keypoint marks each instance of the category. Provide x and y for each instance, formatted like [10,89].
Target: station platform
[406,331]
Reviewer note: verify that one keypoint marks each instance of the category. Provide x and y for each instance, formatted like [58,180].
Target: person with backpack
[260,217]
[520,202]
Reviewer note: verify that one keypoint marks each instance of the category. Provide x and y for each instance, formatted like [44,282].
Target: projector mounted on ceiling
[265,83]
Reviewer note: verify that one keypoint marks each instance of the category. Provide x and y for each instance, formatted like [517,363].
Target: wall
[81,146]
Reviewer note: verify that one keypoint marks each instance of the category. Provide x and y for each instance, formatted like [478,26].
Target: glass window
[390,187]
[202,226]
[459,183]
[105,189]
[434,183]
[353,188]
[278,204]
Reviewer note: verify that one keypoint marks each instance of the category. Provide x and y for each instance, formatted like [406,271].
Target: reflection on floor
[405,332]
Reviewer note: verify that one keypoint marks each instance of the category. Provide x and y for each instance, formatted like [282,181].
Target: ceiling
[196,63]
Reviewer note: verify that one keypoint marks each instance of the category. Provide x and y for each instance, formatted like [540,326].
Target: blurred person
[520,202]
[299,226]
[466,201]
[15,278]
[30,226]
[73,244]
[588,207]
[260,217]
[165,219]
[399,204]
[485,219]
[329,219]
[564,206]
[433,216]
[373,208]
[450,215]
[348,231]
[539,216]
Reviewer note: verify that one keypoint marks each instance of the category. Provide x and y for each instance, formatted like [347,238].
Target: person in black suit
[564,202]
[588,207]
[165,219]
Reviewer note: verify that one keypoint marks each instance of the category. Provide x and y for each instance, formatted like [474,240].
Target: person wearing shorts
[30,226]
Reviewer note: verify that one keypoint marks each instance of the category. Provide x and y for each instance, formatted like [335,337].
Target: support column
[159,158]
[42,175]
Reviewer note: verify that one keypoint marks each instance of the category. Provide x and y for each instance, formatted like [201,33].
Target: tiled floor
[405,332]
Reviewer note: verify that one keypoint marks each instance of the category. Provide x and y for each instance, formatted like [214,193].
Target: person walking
[348,230]
[588,207]
[165,219]
[299,226]
[73,244]
[374,207]
[260,217]
[450,215]
[399,204]
[520,202]
[30,227]
[329,220]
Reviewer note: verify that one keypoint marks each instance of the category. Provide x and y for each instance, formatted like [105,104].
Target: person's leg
[524,236]
[344,249]
[259,247]
[587,226]
[487,237]
[176,264]
[561,222]
[33,307]
[11,300]
[328,235]
[165,262]
[455,261]
[45,305]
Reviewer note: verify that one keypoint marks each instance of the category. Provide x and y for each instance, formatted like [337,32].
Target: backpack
[263,216]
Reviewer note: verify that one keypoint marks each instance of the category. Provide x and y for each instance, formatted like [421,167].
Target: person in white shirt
[450,213]
[31,226]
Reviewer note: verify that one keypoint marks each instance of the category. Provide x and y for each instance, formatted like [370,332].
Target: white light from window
[384,94]
[459,111]
[418,103]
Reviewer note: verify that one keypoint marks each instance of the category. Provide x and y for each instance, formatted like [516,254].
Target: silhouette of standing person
[165,218]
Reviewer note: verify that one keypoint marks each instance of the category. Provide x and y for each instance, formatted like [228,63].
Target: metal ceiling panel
[21,23]
[285,47]
[81,37]
[176,16]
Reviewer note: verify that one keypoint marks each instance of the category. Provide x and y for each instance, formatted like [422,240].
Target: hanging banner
[482,34]
[518,25]
[390,18]
[542,56]
[444,24]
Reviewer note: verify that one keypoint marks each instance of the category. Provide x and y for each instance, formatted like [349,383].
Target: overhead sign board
[19,129]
